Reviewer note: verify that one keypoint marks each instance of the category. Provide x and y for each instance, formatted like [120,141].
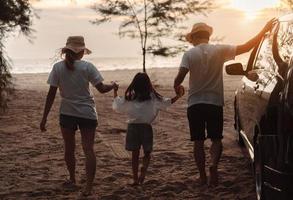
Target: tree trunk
[143,58]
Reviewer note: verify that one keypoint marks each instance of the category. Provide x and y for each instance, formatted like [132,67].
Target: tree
[154,20]
[289,3]
[14,14]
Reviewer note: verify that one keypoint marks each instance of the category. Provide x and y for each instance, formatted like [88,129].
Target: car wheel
[258,171]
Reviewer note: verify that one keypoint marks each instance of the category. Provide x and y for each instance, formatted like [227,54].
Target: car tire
[258,171]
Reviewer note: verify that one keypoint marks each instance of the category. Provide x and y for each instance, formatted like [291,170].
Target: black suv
[264,111]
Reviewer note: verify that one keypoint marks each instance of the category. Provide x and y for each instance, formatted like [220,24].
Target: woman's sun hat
[197,28]
[76,44]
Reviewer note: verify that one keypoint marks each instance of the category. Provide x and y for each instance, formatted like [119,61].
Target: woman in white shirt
[77,110]
[141,104]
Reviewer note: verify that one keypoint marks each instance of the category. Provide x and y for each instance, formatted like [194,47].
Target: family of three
[142,102]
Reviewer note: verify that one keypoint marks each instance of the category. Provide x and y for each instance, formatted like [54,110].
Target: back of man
[205,64]
[206,95]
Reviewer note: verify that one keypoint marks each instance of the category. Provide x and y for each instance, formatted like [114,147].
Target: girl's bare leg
[88,137]
[145,165]
[135,164]
[69,157]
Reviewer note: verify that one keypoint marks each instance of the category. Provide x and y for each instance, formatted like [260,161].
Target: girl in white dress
[141,103]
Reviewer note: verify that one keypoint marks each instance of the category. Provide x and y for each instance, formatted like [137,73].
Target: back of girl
[141,103]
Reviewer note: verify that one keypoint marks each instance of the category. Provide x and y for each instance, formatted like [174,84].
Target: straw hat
[76,44]
[198,27]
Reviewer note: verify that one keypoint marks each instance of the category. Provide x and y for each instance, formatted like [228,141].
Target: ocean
[44,65]
[21,66]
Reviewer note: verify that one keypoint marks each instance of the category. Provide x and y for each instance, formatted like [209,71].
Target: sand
[32,165]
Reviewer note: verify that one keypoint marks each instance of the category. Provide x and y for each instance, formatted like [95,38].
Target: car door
[254,95]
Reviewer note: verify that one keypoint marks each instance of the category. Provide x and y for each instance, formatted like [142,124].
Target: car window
[285,40]
[264,60]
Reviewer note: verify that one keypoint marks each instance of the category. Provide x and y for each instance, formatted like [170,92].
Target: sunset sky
[235,20]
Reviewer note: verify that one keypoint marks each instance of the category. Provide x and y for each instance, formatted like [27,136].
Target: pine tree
[14,15]
[152,21]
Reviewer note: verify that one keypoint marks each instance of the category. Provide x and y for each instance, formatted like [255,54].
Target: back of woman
[77,99]
[77,110]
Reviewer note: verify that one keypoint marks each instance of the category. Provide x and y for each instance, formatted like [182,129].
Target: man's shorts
[73,123]
[139,135]
[203,117]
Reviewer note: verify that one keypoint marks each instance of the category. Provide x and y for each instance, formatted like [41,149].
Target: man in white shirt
[205,63]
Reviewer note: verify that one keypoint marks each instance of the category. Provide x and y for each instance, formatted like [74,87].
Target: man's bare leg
[216,152]
[199,156]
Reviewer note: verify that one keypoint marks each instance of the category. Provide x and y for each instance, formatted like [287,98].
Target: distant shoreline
[105,70]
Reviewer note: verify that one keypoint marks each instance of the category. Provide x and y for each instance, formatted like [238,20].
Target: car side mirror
[235,69]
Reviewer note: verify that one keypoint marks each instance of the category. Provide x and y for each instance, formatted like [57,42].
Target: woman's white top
[141,112]
[77,99]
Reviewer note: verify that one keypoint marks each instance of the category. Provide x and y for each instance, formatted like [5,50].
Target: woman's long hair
[141,88]
[70,57]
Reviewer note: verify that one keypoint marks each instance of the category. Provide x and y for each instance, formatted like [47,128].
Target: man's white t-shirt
[205,64]
[77,99]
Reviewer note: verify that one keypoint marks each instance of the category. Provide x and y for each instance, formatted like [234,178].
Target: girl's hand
[180,91]
[115,86]
[43,125]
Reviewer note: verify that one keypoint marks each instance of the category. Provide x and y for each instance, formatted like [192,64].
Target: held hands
[115,86]
[180,91]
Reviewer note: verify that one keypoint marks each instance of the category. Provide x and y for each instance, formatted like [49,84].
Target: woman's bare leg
[69,157]
[88,137]
[135,164]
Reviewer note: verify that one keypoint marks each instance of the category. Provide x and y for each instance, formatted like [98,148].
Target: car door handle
[243,87]
[256,87]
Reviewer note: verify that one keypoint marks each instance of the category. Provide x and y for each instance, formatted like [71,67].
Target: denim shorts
[139,135]
[74,123]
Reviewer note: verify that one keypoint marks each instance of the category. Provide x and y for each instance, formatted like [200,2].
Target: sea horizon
[44,65]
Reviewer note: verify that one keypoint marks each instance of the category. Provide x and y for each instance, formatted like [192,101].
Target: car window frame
[266,36]
[253,56]
[288,56]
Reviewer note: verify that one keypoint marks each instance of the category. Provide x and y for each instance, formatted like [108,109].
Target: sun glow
[253,8]
[61,3]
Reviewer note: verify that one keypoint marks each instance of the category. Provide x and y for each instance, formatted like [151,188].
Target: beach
[32,164]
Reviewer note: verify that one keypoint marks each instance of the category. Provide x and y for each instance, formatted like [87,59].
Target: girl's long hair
[141,89]
[70,57]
